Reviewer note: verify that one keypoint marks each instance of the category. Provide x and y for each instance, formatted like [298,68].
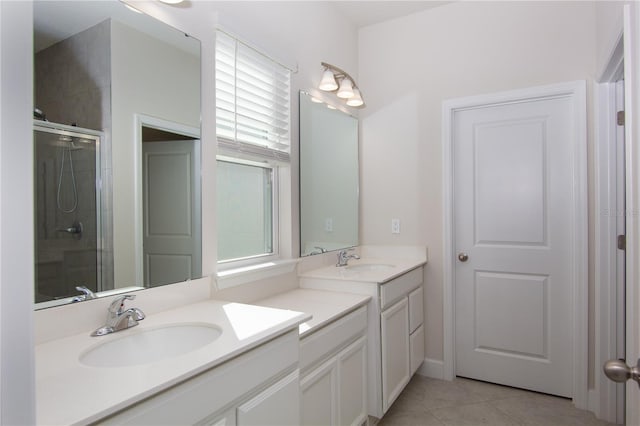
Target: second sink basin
[151,345]
[369,267]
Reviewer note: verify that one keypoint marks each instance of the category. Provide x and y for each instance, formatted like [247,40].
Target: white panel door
[513,232]
[171,212]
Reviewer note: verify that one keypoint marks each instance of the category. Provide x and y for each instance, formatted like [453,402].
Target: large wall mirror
[116,151]
[328,178]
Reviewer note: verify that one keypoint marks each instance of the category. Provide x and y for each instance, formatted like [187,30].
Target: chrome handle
[463,257]
[618,371]
[117,306]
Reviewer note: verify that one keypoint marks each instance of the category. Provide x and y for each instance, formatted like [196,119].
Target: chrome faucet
[118,318]
[87,294]
[343,257]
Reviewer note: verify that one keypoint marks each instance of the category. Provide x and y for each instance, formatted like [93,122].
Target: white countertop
[394,268]
[325,306]
[68,392]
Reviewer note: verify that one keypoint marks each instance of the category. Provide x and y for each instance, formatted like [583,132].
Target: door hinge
[622,242]
[620,118]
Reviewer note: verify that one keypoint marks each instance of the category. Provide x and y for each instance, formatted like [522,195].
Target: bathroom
[405,68]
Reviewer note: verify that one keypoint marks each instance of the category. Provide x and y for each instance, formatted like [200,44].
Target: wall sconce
[335,79]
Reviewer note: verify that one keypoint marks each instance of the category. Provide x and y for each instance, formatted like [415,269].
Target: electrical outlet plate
[395,226]
[328,225]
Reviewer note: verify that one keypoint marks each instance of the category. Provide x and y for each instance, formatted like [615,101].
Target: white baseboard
[432,368]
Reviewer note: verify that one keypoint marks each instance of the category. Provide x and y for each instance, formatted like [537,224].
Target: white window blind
[253,106]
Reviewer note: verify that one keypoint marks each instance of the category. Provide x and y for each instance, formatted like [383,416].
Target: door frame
[576,91]
[604,399]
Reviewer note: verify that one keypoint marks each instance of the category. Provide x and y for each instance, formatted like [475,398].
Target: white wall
[156,79]
[409,66]
[16,215]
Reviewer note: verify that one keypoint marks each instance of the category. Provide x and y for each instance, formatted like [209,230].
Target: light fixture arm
[339,73]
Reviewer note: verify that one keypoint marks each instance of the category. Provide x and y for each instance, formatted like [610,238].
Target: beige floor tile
[404,418]
[473,415]
[546,410]
[432,393]
[465,402]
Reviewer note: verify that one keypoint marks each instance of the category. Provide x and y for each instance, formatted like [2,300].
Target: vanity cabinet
[395,336]
[402,341]
[258,387]
[333,361]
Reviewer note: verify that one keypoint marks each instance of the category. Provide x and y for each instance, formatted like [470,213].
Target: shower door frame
[98,137]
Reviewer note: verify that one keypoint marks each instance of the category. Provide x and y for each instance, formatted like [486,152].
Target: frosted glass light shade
[328,82]
[346,89]
[356,99]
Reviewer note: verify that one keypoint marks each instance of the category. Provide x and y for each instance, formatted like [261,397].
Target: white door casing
[511,233]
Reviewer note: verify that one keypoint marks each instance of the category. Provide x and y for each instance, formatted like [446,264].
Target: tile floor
[464,402]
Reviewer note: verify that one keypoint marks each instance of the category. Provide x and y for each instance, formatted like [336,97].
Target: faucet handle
[117,306]
[88,294]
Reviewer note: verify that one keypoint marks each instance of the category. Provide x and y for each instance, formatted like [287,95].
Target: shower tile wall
[73,86]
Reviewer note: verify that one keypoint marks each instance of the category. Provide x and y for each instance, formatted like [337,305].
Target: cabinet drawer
[416,344]
[416,310]
[397,288]
[332,337]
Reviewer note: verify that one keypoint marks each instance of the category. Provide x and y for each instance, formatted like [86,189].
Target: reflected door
[171,205]
[513,226]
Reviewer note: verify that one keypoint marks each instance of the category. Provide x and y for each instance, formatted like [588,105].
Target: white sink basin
[362,267]
[147,346]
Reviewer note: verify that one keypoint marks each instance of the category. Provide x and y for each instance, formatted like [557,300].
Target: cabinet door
[319,395]
[396,371]
[416,310]
[226,419]
[417,348]
[352,378]
[278,405]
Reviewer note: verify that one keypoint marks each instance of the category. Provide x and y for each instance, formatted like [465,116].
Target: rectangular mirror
[116,151]
[328,178]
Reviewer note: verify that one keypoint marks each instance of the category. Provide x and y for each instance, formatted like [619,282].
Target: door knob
[463,257]
[618,371]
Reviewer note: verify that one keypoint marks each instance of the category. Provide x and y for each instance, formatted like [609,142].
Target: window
[253,131]
[245,210]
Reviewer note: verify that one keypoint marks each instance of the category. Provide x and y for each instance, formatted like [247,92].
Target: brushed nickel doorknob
[462,257]
[618,371]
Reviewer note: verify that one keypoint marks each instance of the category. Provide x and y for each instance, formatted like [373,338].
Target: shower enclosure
[68,240]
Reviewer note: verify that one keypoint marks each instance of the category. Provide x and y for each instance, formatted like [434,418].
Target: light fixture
[346,89]
[328,82]
[333,78]
[171,1]
[356,99]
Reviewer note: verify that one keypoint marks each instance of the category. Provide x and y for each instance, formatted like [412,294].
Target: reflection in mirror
[98,68]
[328,178]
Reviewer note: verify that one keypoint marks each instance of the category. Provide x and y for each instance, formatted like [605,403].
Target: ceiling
[364,12]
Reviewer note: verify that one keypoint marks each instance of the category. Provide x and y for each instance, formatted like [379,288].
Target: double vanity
[340,347]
